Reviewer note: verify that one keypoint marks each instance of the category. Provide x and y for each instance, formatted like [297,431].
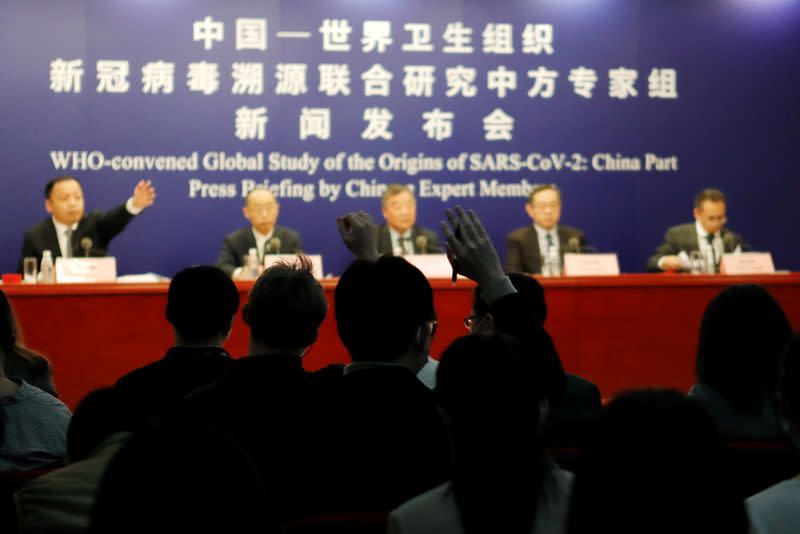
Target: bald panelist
[70,231]
[261,208]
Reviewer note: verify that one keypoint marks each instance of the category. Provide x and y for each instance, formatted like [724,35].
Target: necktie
[549,237]
[710,239]
[68,251]
[403,248]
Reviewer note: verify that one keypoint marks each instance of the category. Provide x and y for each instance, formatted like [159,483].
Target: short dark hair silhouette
[48,188]
[380,307]
[709,195]
[741,335]
[201,302]
[526,285]
[286,305]
[654,464]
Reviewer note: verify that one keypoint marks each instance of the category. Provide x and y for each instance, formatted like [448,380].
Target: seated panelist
[65,233]
[261,208]
[707,234]
[526,247]
[401,235]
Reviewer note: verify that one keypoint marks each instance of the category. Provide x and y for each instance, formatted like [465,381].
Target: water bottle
[47,271]
[711,266]
[251,267]
[553,260]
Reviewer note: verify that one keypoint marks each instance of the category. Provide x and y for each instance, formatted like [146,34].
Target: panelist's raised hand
[470,249]
[360,234]
[144,194]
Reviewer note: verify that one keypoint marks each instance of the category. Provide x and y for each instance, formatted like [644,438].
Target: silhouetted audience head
[741,335]
[789,387]
[492,397]
[537,340]
[201,303]
[526,285]
[182,478]
[286,306]
[99,415]
[384,310]
[654,464]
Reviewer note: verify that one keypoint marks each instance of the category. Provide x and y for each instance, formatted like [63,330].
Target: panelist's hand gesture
[360,234]
[144,194]
[671,263]
[469,248]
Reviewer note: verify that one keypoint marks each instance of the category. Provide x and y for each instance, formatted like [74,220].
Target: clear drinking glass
[697,262]
[29,270]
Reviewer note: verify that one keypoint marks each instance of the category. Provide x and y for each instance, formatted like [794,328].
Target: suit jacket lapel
[691,239]
[384,241]
[532,239]
[51,239]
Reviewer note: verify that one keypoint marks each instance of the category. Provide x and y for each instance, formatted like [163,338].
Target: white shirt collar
[553,231]
[701,232]
[397,247]
[263,237]
[61,228]
[397,235]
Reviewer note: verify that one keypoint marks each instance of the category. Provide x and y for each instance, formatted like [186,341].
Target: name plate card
[86,270]
[316,262]
[747,263]
[591,265]
[431,265]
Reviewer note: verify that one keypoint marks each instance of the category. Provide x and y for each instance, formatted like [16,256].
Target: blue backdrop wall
[631,107]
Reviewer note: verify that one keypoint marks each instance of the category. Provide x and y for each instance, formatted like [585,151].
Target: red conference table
[621,332]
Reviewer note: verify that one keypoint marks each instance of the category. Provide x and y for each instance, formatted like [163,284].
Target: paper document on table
[143,278]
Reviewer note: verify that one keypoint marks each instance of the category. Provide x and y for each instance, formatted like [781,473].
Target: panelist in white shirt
[261,209]
[401,235]
[707,234]
[65,232]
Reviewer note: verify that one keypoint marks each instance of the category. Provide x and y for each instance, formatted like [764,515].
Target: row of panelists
[71,232]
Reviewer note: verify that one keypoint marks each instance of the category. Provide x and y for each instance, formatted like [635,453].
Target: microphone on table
[728,243]
[86,245]
[422,244]
[274,246]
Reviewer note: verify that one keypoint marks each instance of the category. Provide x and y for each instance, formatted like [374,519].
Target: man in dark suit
[385,420]
[267,400]
[526,247]
[69,225]
[201,303]
[707,234]
[400,235]
[261,208]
